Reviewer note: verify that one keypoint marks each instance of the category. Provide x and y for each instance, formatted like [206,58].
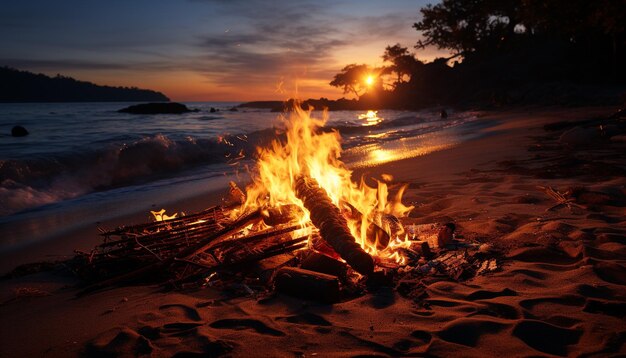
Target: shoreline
[52,229]
[560,292]
[439,165]
[60,241]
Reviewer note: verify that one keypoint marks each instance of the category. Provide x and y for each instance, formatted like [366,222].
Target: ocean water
[85,159]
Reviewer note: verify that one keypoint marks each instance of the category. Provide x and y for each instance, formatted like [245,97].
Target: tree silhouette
[352,79]
[511,51]
[588,37]
[403,63]
[465,26]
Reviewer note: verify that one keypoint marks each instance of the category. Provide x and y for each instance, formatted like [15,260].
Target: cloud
[280,41]
[233,45]
[384,27]
[288,40]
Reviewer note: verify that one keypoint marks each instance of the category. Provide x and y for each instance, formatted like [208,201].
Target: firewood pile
[183,252]
[211,248]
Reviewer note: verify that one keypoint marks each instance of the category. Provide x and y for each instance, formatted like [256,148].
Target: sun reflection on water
[389,151]
[371,118]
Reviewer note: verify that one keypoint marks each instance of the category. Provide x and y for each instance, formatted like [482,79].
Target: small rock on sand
[19,131]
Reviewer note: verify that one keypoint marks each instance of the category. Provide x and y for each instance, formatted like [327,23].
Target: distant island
[24,86]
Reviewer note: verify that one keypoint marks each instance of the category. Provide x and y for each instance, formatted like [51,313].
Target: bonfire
[303,206]
[305,176]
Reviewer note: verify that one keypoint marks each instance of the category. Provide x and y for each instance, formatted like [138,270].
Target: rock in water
[157,108]
[19,131]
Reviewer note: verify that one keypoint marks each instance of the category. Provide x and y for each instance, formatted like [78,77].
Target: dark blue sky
[205,49]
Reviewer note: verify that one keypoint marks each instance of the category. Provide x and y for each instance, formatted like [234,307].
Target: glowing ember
[314,153]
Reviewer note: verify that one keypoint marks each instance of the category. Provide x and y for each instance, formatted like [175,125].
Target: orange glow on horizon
[192,85]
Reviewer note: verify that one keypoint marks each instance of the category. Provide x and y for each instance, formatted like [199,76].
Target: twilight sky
[195,50]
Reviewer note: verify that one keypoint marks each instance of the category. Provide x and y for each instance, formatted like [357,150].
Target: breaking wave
[45,179]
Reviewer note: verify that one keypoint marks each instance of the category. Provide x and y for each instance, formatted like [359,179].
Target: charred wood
[332,226]
[318,262]
[184,254]
[281,215]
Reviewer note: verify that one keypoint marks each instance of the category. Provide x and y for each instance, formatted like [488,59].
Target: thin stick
[275,250]
[150,251]
[209,213]
[190,251]
[256,237]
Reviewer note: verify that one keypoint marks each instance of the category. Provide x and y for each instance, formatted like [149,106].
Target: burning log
[332,226]
[324,264]
[281,215]
[307,284]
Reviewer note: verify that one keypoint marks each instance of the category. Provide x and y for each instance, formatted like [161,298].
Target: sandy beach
[560,291]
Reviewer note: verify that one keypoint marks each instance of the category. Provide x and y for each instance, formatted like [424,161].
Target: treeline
[23,86]
[502,52]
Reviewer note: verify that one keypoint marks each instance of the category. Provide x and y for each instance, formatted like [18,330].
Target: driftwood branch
[560,198]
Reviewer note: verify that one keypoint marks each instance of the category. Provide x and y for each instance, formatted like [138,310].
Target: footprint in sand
[610,272]
[600,254]
[564,300]
[486,295]
[444,302]
[549,255]
[306,318]
[531,273]
[545,337]
[615,309]
[179,328]
[499,310]
[467,331]
[595,291]
[189,312]
[563,321]
[119,342]
[241,324]
[422,336]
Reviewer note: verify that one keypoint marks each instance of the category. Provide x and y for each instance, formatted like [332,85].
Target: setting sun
[369,80]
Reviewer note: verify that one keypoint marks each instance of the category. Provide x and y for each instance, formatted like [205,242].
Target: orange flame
[311,151]
[161,216]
